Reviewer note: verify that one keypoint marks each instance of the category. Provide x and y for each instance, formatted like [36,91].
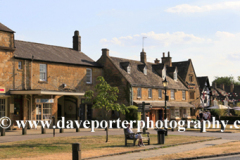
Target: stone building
[38,81]
[140,81]
[187,74]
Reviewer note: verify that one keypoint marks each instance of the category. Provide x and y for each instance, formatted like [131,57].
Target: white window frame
[145,70]
[19,64]
[89,76]
[43,70]
[129,69]
[159,94]
[149,92]
[139,93]
[172,94]
[183,95]
[40,115]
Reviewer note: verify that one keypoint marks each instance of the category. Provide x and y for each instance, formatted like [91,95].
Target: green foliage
[227,80]
[106,98]
[218,112]
[238,104]
[133,114]
[224,80]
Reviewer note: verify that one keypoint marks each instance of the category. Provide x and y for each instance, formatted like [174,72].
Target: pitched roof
[202,81]
[182,68]
[138,79]
[49,53]
[5,28]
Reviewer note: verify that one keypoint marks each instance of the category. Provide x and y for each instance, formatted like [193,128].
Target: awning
[157,104]
[40,92]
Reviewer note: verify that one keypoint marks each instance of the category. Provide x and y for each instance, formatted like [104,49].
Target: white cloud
[155,39]
[186,8]
[218,55]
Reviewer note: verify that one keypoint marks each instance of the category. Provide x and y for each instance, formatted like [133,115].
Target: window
[43,111]
[175,75]
[89,76]
[159,93]
[191,95]
[184,95]
[172,94]
[129,69]
[149,93]
[191,78]
[43,72]
[2,107]
[19,64]
[145,70]
[139,92]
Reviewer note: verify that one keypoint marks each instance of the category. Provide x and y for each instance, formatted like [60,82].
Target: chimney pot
[156,61]
[163,54]
[168,54]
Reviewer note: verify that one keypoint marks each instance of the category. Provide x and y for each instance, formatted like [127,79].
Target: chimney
[231,87]
[167,60]
[77,41]
[105,52]
[222,86]
[143,56]
[156,61]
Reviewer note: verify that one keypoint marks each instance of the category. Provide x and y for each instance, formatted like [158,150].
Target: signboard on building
[2,90]
[44,100]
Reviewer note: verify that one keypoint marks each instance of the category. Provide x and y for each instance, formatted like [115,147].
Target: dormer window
[145,70]
[129,69]
[164,73]
[175,76]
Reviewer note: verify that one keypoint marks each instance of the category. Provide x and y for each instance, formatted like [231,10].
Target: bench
[129,135]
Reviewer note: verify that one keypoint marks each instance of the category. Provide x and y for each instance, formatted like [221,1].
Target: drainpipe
[32,72]
[25,75]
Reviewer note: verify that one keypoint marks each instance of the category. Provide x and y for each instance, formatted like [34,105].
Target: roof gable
[5,28]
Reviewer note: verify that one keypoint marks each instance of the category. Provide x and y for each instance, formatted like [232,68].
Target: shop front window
[2,107]
[43,111]
[177,113]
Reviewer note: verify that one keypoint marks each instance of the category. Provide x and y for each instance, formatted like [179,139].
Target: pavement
[164,151]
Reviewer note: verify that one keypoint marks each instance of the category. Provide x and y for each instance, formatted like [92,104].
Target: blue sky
[206,31]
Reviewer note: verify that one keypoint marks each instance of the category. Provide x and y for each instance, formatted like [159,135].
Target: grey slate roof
[182,68]
[138,79]
[202,81]
[5,28]
[49,53]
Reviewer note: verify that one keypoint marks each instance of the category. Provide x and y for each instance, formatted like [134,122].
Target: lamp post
[165,83]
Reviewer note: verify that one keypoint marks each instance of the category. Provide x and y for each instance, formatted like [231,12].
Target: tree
[224,80]
[106,98]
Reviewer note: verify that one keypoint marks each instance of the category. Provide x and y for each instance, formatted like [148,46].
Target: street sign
[2,90]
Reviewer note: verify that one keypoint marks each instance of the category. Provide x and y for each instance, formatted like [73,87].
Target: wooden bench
[131,136]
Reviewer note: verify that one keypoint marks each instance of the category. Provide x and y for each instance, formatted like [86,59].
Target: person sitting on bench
[138,136]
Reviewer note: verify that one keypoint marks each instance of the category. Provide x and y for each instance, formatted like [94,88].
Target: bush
[133,114]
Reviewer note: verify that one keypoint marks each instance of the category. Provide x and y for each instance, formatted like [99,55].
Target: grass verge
[90,146]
